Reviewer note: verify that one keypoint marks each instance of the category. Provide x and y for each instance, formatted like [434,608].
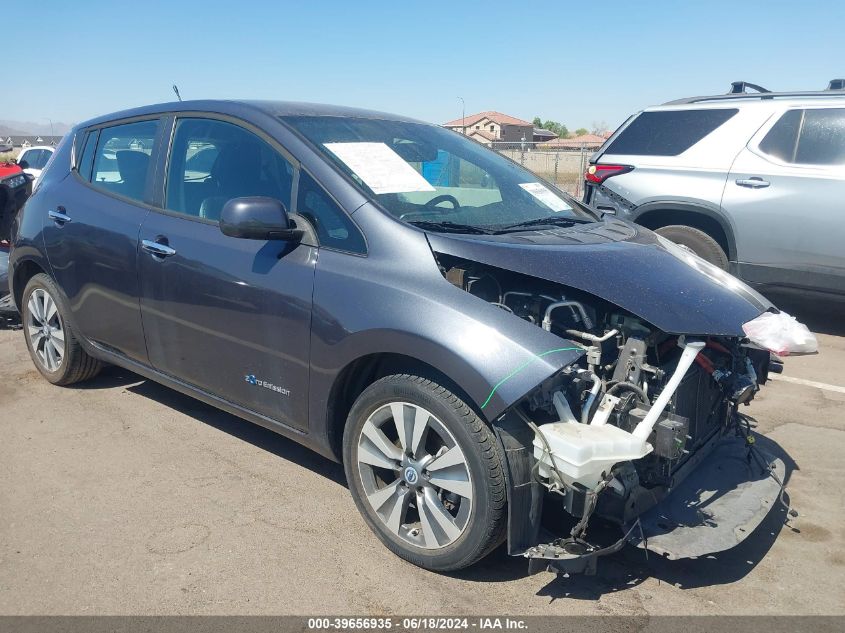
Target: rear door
[785,196]
[230,316]
[91,234]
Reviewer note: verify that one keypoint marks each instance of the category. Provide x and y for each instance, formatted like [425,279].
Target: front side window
[435,178]
[122,158]
[36,158]
[808,137]
[213,161]
[333,226]
[28,157]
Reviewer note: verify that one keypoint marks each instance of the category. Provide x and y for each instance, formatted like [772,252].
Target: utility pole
[463,116]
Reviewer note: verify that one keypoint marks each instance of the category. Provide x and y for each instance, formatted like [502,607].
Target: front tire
[50,337]
[425,473]
[698,242]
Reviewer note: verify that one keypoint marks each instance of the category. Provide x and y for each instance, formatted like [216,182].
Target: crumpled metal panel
[715,508]
[625,265]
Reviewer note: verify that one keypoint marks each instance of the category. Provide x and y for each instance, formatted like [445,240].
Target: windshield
[436,178]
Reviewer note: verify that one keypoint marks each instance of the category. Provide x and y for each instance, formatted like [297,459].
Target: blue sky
[575,62]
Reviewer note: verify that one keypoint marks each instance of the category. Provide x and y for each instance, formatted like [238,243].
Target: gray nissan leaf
[490,359]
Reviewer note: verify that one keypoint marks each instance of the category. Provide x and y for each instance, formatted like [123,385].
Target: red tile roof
[483,134]
[496,117]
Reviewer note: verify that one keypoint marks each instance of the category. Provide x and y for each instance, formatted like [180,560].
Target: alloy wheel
[415,476]
[45,329]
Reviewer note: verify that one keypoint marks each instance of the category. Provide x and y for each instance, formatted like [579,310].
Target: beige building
[494,127]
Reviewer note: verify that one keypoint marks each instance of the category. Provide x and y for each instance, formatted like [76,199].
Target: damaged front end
[643,430]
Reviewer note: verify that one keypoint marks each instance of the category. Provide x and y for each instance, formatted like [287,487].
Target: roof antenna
[176,90]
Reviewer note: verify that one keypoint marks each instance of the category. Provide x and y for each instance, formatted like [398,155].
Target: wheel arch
[655,215]
[23,271]
[361,372]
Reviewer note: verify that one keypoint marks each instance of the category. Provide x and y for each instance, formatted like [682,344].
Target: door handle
[59,216]
[753,183]
[157,249]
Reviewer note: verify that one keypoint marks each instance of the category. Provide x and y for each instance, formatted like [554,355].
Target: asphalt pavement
[121,496]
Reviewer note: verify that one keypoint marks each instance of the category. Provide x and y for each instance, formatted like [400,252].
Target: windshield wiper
[551,221]
[450,227]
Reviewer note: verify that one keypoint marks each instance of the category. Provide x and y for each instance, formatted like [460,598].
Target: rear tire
[50,337]
[434,495]
[698,242]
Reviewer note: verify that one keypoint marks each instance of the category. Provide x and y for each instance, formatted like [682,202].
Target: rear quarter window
[668,133]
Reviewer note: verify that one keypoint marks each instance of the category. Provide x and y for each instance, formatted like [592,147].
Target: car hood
[625,264]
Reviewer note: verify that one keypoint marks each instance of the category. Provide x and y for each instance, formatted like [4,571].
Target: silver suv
[753,182]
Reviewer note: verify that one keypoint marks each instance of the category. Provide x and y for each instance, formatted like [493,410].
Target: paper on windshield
[545,195]
[381,169]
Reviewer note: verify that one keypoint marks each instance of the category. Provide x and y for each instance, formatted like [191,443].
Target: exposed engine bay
[617,431]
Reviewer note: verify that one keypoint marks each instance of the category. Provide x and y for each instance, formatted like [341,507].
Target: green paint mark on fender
[526,364]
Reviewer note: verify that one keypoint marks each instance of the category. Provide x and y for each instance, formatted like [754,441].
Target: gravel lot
[124,497]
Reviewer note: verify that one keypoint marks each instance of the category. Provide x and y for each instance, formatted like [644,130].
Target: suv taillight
[597,174]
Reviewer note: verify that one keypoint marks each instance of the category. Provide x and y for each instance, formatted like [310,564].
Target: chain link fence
[563,167]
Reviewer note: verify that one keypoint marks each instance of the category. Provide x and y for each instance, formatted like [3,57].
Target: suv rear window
[668,133]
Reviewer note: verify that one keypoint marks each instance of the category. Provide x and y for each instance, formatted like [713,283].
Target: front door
[785,197]
[230,316]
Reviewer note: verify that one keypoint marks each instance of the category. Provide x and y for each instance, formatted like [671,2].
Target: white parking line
[808,383]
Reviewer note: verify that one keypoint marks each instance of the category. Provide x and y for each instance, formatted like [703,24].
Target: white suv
[753,182]
[36,159]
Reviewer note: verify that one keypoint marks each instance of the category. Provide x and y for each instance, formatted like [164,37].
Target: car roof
[756,100]
[244,108]
[26,149]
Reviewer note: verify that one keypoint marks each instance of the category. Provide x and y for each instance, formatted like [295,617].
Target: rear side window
[86,160]
[780,141]
[122,158]
[214,161]
[822,138]
[668,133]
[28,157]
[333,226]
[808,137]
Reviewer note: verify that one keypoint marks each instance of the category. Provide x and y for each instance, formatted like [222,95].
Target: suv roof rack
[739,90]
[739,87]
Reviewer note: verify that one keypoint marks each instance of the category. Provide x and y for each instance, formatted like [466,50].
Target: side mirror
[257,218]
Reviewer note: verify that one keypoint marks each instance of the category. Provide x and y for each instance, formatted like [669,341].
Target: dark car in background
[15,188]
[471,343]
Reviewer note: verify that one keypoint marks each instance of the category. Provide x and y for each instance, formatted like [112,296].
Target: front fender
[364,306]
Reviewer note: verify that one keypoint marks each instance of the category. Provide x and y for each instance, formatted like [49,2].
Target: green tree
[551,126]
[581,131]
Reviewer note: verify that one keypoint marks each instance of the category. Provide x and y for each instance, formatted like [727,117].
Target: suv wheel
[51,340]
[698,242]
[425,472]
